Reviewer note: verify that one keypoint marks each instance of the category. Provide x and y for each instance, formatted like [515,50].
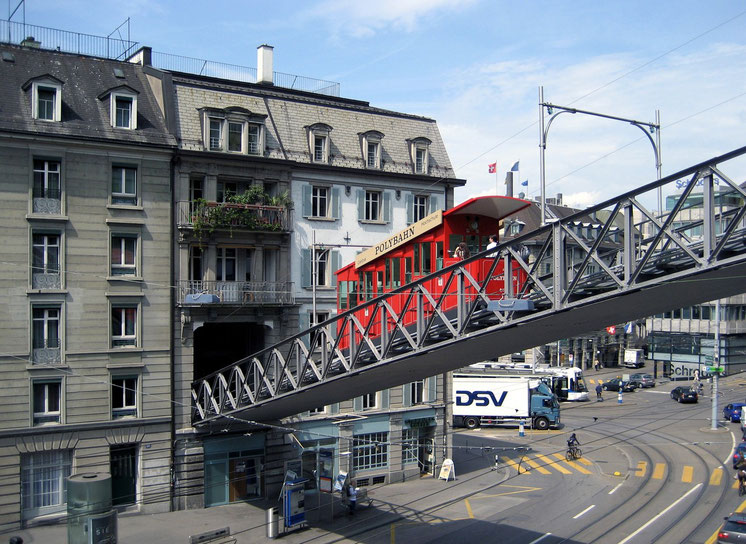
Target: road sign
[713,369]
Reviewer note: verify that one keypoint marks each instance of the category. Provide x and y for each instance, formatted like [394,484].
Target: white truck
[488,399]
[634,358]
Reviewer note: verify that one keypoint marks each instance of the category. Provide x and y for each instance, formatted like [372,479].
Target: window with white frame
[124,392]
[226,189]
[123,325]
[233,131]
[45,260]
[215,134]
[420,207]
[409,445]
[370,451]
[318,142]
[226,264]
[417,392]
[320,201]
[370,401]
[372,206]
[420,152]
[322,268]
[124,110]
[317,410]
[47,401]
[124,254]
[124,185]
[44,482]
[373,154]
[47,179]
[47,100]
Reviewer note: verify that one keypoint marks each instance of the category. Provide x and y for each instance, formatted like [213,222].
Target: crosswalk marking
[537,466]
[716,476]
[659,471]
[555,466]
[687,474]
[642,468]
[585,461]
[515,465]
[572,464]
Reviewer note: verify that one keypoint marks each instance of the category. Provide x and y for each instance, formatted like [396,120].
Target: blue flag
[515,167]
[524,183]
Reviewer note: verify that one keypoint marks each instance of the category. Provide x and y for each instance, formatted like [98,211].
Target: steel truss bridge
[633,263]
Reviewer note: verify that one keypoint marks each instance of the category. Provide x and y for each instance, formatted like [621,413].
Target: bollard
[273,523]
[521,431]
[619,398]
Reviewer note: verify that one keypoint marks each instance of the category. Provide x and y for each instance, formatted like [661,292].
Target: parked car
[615,383]
[645,380]
[734,529]
[684,394]
[739,454]
[732,412]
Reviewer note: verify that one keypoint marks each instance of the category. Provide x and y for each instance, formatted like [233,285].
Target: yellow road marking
[660,469]
[520,489]
[536,465]
[642,468]
[515,465]
[555,466]
[687,474]
[735,485]
[572,464]
[468,509]
[716,476]
[585,461]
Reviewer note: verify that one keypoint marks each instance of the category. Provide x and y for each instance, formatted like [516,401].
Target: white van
[743,417]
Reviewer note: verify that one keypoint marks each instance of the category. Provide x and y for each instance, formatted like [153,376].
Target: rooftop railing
[66,41]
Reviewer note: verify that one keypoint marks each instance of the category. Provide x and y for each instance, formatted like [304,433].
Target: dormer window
[235,130]
[419,150]
[122,107]
[371,145]
[46,98]
[318,142]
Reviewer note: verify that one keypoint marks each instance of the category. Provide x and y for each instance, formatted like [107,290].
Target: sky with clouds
[476,66]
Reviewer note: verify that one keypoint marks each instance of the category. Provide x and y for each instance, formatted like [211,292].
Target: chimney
[559,199]
[31,42]
[264,67]
[509,184]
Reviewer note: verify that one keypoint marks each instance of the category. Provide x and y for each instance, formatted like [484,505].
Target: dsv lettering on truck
[478,398]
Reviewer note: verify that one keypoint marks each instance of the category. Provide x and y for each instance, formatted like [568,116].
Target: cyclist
[741,476]
[573,444]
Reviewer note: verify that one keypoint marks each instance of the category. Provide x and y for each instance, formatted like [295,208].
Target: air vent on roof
[8,56]
[118,72]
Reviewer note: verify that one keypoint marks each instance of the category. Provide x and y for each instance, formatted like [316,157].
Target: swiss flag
[492,168]
[611,330]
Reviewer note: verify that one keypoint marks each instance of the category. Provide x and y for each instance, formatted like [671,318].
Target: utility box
[90,517]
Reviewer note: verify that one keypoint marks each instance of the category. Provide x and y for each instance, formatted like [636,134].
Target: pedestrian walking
[599,396]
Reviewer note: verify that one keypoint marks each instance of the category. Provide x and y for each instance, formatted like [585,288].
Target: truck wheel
[541,423]
[471,422]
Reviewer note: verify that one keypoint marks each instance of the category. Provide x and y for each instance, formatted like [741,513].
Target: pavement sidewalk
[247,521]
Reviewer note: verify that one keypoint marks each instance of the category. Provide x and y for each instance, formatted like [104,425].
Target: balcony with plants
[253,210]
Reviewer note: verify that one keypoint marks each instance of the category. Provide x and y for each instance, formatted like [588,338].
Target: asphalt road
[652,471]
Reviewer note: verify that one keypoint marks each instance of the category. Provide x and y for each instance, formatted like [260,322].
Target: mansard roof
[83,80]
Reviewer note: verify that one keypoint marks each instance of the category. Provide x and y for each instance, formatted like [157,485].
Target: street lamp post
[647,129]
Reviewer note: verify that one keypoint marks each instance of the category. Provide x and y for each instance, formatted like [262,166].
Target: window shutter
[385,399]
[432,392]
[436,203]
[410,208]
[305,268]
[357,404]
[307,200]
[334,408]
[407,394]
[335,203]
[360,205]
[304,322]
[336,265]
[387,207]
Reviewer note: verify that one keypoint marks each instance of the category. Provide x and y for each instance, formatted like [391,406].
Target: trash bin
[273,523]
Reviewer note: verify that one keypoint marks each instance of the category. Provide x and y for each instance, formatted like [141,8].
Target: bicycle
[573,452]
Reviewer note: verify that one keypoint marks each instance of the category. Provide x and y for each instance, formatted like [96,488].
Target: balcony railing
[236,292]
[205,217]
